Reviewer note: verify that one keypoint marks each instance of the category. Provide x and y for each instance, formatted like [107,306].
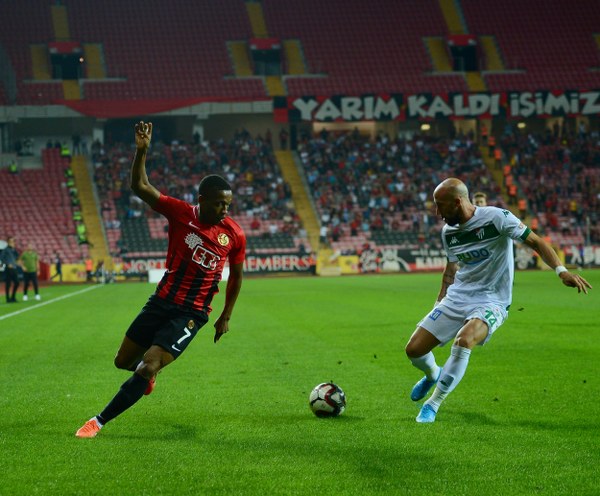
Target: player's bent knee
[122,363]
[148,369]
[465,342]
[414,349]
[420,343]
[152,363]
[409,349]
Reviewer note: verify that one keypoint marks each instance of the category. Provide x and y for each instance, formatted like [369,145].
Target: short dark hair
[213,183]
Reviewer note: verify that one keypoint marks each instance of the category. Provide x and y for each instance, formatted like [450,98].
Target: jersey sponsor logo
[435,314]
[205,258]
[223,239]
[473,257]
[202,256]
[480,233]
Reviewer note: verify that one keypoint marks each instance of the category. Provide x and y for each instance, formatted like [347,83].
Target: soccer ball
[327,400]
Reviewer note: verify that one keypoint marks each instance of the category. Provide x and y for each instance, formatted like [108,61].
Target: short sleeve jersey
[30,260]
[483,248]
[196,255]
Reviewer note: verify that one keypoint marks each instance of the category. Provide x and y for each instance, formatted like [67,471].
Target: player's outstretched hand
[143,135]
[575,281]
[221,327]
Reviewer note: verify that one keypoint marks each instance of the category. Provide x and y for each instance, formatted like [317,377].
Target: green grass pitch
[233,418]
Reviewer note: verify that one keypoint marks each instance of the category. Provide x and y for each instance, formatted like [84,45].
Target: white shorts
[445,322]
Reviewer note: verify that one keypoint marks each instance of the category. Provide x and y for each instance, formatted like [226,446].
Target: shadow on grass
[593,425]
[343,419]
[474,418]
[480,419]
[163,430]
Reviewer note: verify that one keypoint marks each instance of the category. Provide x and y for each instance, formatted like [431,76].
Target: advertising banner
[264,263]
[429,106]
[375,260]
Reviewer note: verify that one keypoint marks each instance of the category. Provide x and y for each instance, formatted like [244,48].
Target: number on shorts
[180,340]
[187,335]
[489,316]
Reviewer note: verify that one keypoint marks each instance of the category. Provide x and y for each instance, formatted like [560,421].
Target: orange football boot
[89,429]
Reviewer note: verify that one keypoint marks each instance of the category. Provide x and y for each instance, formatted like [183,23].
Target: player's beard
[452,220]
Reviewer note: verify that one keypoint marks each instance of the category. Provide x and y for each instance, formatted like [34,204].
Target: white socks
[454,371]
[427,365]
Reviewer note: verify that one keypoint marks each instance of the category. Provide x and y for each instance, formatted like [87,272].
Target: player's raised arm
[140,184]
[551,258]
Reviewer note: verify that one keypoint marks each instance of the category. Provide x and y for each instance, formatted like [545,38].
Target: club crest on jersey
[190,325]
[480,233]
[223,239]
[202,256]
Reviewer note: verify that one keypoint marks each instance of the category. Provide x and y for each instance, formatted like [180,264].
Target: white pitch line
[54,300]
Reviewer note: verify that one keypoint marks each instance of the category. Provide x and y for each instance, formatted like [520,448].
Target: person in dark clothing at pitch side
[9,257]
[58,268]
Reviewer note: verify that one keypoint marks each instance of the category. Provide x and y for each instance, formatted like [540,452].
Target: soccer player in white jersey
[476,289]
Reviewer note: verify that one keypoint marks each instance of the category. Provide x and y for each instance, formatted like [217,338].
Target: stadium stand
[129,50]
[560,178]
[551,43]
[36,208]
[348,48]
[262,202]
[21,28]
[365,191]
[362,47]
[379,191]
[192,49]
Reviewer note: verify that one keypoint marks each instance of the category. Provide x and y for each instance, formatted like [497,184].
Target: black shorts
[166,325]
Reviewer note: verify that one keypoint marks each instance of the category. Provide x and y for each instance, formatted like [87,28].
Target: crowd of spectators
[558,174]
[262,199]
[362,185]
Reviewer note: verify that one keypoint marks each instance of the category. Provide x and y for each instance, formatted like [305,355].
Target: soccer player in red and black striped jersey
[201,239]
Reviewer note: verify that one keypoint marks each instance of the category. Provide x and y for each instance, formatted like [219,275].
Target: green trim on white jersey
[523,236]
[474,236]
